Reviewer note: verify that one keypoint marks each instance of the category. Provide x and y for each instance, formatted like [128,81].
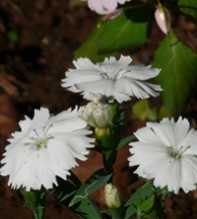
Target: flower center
[38,141]
[41,143]
[177,153]
[113,76]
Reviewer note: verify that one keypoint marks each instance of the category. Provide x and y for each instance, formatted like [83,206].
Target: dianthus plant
[40,157]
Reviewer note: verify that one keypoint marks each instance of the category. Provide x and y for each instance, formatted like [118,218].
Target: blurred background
[37,44]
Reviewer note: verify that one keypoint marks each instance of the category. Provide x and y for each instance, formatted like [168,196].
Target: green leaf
[125,31]
[147,205]
[66,189]
[96,181]
[88,210]
[13,36]
[178,65]
[125,141]
[188,7]
[141,201]
[90,47]
[33,198]
[122,32]
[114,213]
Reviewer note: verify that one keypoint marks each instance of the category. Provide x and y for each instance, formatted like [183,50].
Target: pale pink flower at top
[104,7]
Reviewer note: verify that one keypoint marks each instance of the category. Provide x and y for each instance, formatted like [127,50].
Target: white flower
[112,78]
[97,114]
[46,147]
[167,153]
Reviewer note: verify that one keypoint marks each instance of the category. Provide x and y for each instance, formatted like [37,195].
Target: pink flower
[104,6]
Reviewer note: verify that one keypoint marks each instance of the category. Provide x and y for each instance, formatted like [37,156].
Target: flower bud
[97,114]
[112,197]
[102,133]
[162,18]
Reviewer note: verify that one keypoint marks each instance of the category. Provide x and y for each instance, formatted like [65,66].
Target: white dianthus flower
[46,147]
[167,153]
[113,78]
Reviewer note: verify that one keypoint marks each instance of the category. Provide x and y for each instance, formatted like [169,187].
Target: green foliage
[114,213]
[125,31]
[109,138]
[88,210]
[141,202]
[122,32]
[189,7]
[125,141]
[90,48]
[178,65]
[13,36]
[35,200]
[96,181]
[66,189]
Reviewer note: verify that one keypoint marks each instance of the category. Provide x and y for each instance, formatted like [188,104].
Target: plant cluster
[39,158]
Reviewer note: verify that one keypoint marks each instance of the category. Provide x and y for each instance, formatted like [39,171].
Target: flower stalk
[35,200]
[39,212]
[109,137]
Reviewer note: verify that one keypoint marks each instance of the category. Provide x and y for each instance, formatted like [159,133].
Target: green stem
[35,200]
[138,214]
[109,158]
[39,213]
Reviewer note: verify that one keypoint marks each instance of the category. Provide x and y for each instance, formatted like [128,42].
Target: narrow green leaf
[114,213]
[88,210]
[125,141]
[141,201]
[142,193]
[65,190]
[188,7]
[96,181]
[147,205]
[178,65]
[33,199]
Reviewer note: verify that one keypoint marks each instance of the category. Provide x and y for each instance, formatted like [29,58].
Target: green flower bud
[102,133]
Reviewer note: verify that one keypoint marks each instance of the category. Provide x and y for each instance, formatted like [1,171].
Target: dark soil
[37,42]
